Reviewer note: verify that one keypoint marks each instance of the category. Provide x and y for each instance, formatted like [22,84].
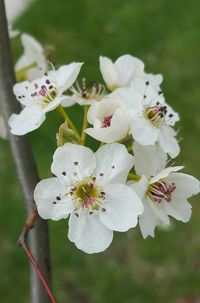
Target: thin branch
[25,166]
[22,243]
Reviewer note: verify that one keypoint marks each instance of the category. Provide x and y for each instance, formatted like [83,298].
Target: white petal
[149,160]
[69,101]
[23,92]
[144,132]
[122,206]
[186,185]
[30,118]
[128,68]
[168,141]
[108,71]
[66,75]
[148,221]
[53,104]
[180,209]
[140,187]
[165,172]
[158,210]
[117,130]
[114,162]
[76,161]
[88,233]
[46,196]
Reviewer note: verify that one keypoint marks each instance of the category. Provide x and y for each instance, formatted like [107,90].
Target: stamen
[161,191]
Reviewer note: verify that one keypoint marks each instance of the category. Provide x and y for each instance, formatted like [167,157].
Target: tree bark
[25,166]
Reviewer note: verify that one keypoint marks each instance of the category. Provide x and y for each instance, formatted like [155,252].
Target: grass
[165,35]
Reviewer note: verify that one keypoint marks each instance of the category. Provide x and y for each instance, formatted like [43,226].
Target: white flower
[3,130]
[150,116]
[32,64]
[90,187]
[125,70]
[109,121]
[85,94]
[122,72]
[164,193]
[41,96]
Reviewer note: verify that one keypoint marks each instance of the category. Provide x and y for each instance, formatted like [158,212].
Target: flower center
[87,195]
[89,91]
[107,121]
[161,191]
[156,114]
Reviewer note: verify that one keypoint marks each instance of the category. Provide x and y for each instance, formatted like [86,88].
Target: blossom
[164,192]
[121,72]
[32,64]
[3,131]
[109,121]
[90,187]
[124,71]
[151,118]
[41,96]
[85,94]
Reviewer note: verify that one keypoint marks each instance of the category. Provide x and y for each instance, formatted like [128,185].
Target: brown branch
[25,166]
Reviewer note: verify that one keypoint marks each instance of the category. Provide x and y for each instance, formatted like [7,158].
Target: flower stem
[62,112]
[134,177]
[85,124]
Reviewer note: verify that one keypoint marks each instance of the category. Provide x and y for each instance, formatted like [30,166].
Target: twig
[22,243]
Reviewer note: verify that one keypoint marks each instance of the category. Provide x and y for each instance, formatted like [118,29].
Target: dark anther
[147,83]
[51,86]
[54,202]
[58,198]
[159,93]
[94,179]
[76,163]
[103,193]
[145,96]
[47,81]
[77,215]
[103,209]
[91,212]
[101,174]
[113,166]
[64,173]
[170,115]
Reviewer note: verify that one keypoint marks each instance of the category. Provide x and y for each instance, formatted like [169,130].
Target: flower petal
[186,185]
[66,75]
[122,206]
[117,130]
[149,160]
[180,209]
[73,162]
[143,131]
[113,164]
[158,210]
[128,68]
[140,187]
[148,221]
[165,172]
[88,233]
[108,71]
[51,199]
[30,118]
[168,141]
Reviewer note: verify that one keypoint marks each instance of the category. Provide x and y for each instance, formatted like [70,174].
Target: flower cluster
[126,180]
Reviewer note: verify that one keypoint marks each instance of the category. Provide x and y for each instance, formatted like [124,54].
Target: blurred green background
[165,34]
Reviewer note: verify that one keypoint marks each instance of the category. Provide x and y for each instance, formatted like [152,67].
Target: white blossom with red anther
[90,187]
[151,118]
[41,96]
[109,120]
[164,191]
